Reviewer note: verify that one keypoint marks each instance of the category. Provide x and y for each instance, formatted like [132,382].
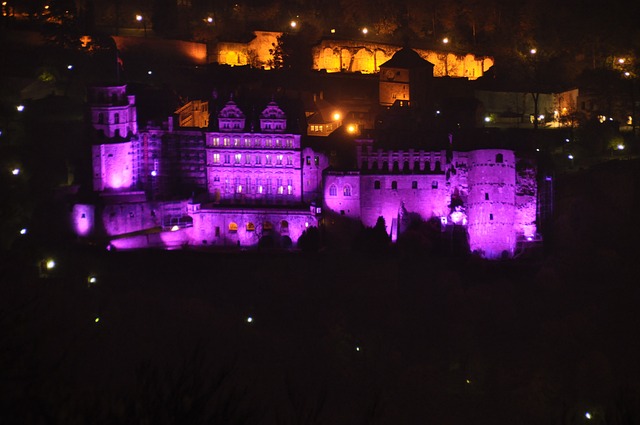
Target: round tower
[491,202]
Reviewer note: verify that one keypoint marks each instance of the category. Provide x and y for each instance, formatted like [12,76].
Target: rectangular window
[258,160]
[376,184]
[238,158]
[225,141]
[289,160]
[279,159]
[216,158]
[486,196]
[490,216]
[316,160]
[216,141]
[414,184]
[289,143]
[227,158]
[247,143]
[434,184]
[236,142]
[308,160]
[394,185]
[267,159]
[267,143]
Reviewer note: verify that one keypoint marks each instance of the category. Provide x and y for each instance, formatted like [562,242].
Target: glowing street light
[533,51]
[365,31]
[333,30]
[621,61]
[209,19]
[69,67]
[139,18]
[587,415]
[336,116]
[445,40]
[293,24]
[50,264]
[620,147]
[15,171]
[23,231]
[351,129]
[249,319]
[20,108]
[570,157]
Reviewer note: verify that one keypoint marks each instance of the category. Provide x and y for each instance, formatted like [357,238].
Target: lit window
[289,160]
[279,159]
[233,227]
[238,157]
[280,190]
[247,142]
[277,143]
[239,188]
[216,158]
[346,191]
[260,189]
[308,160]
[258,160]
[236,142]
[316,160]
[289,143]
[267,159]
[251,227]
[333,190]
[267,225]
[267,143]
[216,141]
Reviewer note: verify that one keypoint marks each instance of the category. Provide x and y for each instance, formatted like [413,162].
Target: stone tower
[491,202]
[405,79]
[114,117]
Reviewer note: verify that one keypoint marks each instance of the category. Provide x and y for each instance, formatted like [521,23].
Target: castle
[252,181]
[262,183]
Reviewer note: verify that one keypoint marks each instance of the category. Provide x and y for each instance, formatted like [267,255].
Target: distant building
[250,182]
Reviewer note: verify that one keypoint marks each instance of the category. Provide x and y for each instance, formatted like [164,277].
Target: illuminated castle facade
[251,182]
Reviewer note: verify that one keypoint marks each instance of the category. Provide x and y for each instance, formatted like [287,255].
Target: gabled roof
[406,58]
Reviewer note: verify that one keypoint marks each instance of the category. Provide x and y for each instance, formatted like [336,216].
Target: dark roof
[406,58]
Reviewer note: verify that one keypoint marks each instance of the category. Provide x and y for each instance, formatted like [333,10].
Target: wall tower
[491,202]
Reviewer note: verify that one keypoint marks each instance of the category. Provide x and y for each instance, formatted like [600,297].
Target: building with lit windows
[247,182]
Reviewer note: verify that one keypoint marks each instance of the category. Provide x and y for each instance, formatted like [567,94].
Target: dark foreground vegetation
[335,337]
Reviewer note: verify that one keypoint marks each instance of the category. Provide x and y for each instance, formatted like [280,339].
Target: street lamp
[140,18]
[365,30]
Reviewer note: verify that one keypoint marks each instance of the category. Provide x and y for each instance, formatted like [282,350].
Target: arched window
[499,158]
[346,191]
[251,227]
[284,225]
[333,190]
[233,227]
[267,225]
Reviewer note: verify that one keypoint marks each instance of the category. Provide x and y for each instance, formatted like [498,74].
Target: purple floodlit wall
[491,202]
[526,202]
[83,219]
[112,166]
[236,227]
[342,193]
[313,164]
